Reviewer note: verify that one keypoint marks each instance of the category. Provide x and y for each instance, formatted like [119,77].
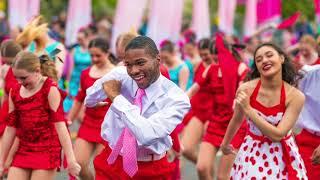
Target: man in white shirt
[308,140]
[148,123]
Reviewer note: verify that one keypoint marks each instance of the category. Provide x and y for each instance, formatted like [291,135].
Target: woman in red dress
[201,105]
[89,140]
[272,106]
[9,49]
[223,76]
[36,118]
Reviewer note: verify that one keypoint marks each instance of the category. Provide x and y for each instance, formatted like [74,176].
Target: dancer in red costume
[89,140]
[36,117]
[201,105]
[272,105]
[9,49]
[223,77]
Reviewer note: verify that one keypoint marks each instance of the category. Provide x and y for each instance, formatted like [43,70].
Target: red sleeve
[175,140]
[82,91]
[229,67]
[203,81]
[57,116]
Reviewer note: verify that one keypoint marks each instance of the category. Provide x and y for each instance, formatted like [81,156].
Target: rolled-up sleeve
[96,93]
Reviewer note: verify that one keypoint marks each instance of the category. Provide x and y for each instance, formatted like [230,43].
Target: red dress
[10,83]
[91,126]
[222,112]
[261,158]
[201,103]
[39,146]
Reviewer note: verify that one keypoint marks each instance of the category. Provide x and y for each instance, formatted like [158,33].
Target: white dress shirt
[309,117]
[163,108]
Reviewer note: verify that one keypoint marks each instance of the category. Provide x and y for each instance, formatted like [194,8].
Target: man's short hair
[143,42]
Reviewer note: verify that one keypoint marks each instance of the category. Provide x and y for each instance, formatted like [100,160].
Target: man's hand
[112,88]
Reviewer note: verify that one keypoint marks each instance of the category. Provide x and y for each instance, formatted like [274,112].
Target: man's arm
[157,126]
[96,93]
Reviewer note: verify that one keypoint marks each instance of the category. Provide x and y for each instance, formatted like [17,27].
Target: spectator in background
[104,29]
[4,26]
[303,27]
[15,31]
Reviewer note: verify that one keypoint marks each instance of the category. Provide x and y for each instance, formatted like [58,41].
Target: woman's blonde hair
[308,39]
[31,62]
[124,38]
[35,31]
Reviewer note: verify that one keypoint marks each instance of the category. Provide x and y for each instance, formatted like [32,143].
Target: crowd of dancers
[144,107]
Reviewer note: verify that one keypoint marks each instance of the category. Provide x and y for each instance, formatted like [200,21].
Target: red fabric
[317,8]
[298,65]
[164,71]
[175,140]
[201,103]
[290,21]
[176,147]
[222,111]
[157,170]
[186,119]
[10,83]
[91,126]
[39,146]
[229,67]
[317,62]
[281,107]
[215,135]
[307,143]
[3,115]
[292,174]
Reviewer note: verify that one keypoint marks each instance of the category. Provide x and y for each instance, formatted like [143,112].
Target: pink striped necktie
[128,143]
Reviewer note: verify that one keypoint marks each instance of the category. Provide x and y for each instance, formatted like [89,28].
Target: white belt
[150,157]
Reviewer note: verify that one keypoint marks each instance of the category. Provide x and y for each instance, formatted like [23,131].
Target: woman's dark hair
[167,45]
[204,43]
[289,73]
[84,31]
[231,47]
[103,45]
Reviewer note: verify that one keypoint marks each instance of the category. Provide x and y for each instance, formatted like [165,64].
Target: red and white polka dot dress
[259,157]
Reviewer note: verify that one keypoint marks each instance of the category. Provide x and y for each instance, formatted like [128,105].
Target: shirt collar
[152,90]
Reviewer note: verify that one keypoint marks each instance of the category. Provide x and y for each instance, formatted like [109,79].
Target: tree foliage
[103,8]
